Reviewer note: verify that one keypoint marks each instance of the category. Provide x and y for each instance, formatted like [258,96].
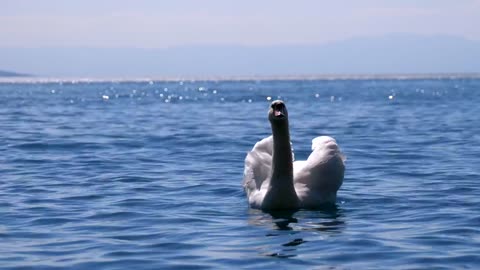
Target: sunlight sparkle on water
[160,175]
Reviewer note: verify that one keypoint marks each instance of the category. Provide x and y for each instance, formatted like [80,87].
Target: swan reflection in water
[290,229]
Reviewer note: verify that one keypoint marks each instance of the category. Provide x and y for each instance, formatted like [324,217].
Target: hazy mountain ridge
[391,54]
[4,73]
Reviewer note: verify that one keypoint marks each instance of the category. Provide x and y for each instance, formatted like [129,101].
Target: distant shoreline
[320,77]
[11,74]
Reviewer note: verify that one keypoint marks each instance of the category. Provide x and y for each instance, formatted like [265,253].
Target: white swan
[274,181]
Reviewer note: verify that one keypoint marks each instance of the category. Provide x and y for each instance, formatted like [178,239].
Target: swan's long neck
[282,164]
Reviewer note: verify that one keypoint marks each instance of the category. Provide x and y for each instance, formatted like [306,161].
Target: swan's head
[278,112]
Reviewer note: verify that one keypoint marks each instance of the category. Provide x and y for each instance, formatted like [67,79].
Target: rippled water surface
[147,175]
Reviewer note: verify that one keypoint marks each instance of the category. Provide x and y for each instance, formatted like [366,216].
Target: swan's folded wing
[324,148]
[325,166]
[258,164]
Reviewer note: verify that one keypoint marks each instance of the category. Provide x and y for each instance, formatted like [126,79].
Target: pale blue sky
[160,24]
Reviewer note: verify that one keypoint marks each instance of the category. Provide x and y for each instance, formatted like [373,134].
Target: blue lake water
[147,175]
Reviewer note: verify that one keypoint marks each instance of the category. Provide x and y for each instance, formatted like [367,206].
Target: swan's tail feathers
[258,164]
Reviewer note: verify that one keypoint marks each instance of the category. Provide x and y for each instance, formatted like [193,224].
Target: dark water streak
[147,175]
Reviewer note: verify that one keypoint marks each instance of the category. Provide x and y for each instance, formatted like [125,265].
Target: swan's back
[257,172]
[318,179]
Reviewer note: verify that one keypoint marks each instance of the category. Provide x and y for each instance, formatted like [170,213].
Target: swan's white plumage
[316,179]
[258,167]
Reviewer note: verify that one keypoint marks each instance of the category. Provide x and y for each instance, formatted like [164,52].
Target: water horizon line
[301,77]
